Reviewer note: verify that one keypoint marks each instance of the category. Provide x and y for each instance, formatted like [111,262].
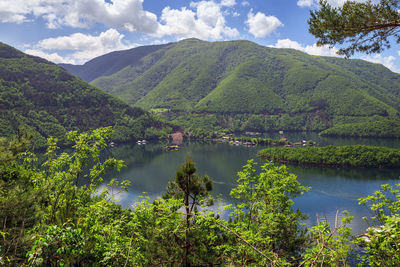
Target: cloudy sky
[75,31]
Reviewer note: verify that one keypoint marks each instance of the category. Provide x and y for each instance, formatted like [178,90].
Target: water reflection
[339,189]
[150,167]
[324,141]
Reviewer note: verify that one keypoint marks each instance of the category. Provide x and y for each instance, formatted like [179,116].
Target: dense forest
[374,128]
[46,100]
[345,156]
[47,220]
[239,85]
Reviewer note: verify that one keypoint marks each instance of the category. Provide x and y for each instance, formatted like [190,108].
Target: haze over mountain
[48,101]
[245,85]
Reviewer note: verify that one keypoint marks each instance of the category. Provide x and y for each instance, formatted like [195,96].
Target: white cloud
[261,25]
[203,19]
[82,47]
[287,43]
[337,3]
[158,42]
[16,11]
[334,3]
[119,14]
[7,16]
[53,57]
[388,62]
[208,12]
[79,41]
[321,50]
[206,21]
[309,49]
[245,3]
[305,3]
[228,2]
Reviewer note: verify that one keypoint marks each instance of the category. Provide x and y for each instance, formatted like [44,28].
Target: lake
[150,167]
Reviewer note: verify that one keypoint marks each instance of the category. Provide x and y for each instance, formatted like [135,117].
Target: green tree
[330,247]
[264,215]
[65,171]
[18,202]
[360,27]
[42,207]
[193,191]
[382,242]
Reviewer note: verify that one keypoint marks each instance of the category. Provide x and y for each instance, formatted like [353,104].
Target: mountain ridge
[122,59]
[241,77]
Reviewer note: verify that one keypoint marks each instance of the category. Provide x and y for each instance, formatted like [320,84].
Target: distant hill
[48,101]
[244,86]
[110,63]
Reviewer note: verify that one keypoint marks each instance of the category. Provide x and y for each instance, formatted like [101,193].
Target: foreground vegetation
[48,220]
[345,156]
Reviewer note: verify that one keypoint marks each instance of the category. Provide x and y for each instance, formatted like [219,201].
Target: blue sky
[75,31]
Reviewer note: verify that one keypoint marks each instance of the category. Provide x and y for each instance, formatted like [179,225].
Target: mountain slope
[241,78]
[48,101]
[110,63]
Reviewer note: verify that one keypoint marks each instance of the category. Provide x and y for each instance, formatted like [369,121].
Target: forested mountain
[48,101]
[242,85]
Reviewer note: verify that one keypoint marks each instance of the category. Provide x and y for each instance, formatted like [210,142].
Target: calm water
[150,166]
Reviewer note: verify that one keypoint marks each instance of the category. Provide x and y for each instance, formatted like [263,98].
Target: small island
[342,156]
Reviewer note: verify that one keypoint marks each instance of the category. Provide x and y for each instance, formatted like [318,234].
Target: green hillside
[48,101]
[242,85]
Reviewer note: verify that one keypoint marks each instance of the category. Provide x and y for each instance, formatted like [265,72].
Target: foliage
[45,205]
[49,101]
[18,209]
[382,243]
[192,191]
[384,202]
[264,215]
[330,247]
[380,128]
[64,243]
[189,187]
[362,27]
[347,156]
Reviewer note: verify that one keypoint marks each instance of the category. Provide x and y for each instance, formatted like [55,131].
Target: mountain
[110,63]
[242,85]
[48,101]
